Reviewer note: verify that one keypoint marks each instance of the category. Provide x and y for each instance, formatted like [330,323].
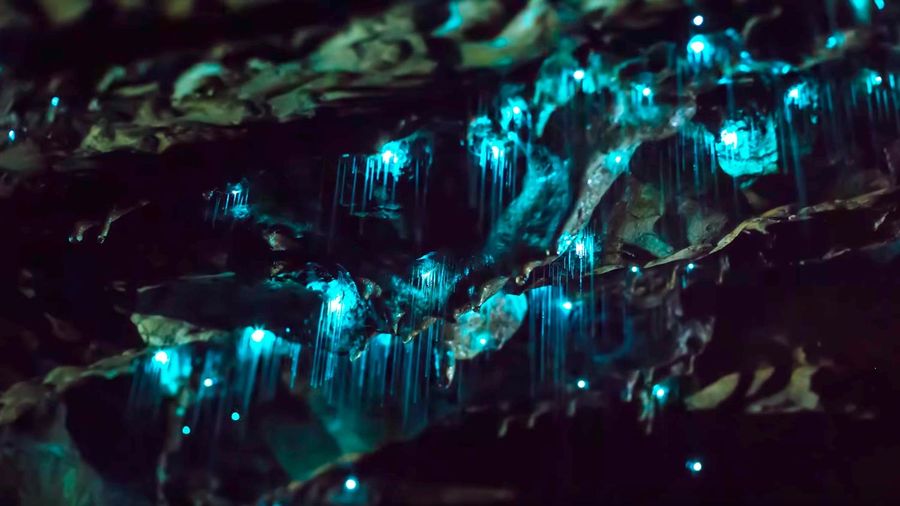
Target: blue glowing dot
[208,382]
[235,416]
[877,80]
[517,110]
[635,269]
[351,483]
[482,341]
[11,135]
[582,384]
[697,46]
[879,4]
[691,266]
[745,55]
[54,101]
[186,430]
[646,91]
[495,151]
[287,330]
[618,158]
[161,357]
[235,192]
[567,305]
[258,335]
[660,392]
[334,305]
[578,75]
[695,466]
[698,20]
[386,156]
[794,92]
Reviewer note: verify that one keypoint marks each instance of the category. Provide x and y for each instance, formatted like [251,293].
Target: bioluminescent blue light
[161,357]
[351,483]
[54,101]
[287,330]
[582,384]
[879,4]
[691,266]
[646,91]
[335,305]
[694,466]
[618,159]
[387,156]
[235,416]
[567,305]
[580,249]
[660,392]
[11,135]
[482,341]
[834,40]
[186,430]
[698,20]
[258,335]
[578,75]
[208,382]
[635,269]
[729,138]
[794,93]
[876,79]
[697,45]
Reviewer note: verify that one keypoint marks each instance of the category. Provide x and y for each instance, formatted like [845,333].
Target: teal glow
[258,335]
[691,266]
[186,430]
[694,466]
[351,483]
[11,135]
[567,305]
[235,416]
[54,102]
[582,384]
[748,147]
[834,41]
[698,20]
[383,339]
[578,75]
[635,269]
[700,51]
[208,382]
[161,356]
[697,44]
[660,392]
[879,4]
[646,91]
[335,305]
[453,23]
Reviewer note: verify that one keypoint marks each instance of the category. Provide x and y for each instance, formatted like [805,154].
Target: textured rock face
[465,251]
